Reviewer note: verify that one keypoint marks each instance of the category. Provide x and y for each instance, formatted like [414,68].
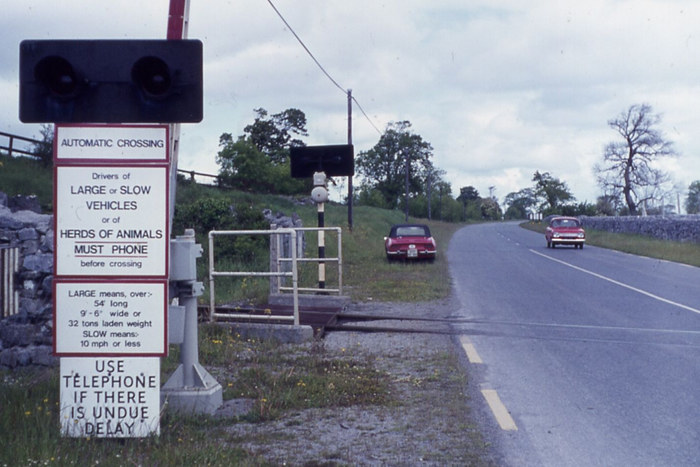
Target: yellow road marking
[470,350]
[499,410]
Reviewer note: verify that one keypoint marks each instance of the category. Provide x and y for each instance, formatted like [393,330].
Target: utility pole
[350,193]
[406,187]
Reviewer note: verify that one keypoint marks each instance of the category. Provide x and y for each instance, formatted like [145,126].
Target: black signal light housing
[111,81]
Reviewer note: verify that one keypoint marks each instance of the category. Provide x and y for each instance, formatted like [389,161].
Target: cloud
[500,88]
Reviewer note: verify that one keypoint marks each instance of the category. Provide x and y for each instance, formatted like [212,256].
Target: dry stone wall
[676,228]
[26,336]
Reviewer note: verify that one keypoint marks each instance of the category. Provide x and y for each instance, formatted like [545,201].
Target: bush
[207,214]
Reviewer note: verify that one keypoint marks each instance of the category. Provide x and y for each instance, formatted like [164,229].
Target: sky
[499,88]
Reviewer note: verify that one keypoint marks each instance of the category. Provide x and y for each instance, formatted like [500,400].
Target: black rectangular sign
[335,160]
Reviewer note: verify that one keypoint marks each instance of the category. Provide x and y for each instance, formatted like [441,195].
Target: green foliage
[490,210]
[468,193]
[26,176]
[43,150]
[258,161]
[218,213]
[274,135]
[245,167]
[520,203]
[553,192]
[384,166]
[580,209]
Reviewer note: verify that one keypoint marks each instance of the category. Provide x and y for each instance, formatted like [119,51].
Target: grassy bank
[367,275]
[26,176]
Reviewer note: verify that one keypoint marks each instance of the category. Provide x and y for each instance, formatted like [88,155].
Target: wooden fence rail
[11,147]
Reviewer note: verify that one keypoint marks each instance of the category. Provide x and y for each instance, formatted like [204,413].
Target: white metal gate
[213,273]
[277,267]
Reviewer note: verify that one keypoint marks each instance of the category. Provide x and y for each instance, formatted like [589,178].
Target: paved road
[587,357]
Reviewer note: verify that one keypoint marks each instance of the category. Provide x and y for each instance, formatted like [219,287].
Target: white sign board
[111,221]
[122,143]
[110,398]
[110,318]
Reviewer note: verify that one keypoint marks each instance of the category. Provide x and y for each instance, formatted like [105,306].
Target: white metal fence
[279,267]
[213,273]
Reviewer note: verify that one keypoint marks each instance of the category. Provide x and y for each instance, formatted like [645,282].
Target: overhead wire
[321,66]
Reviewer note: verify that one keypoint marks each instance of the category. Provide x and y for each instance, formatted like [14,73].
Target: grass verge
[276,378]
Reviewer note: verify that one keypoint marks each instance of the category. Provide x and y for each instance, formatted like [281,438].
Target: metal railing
[9,266]
[338,260]
[213,273]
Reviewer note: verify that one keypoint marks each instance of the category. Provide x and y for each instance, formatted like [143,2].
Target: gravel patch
[429,422]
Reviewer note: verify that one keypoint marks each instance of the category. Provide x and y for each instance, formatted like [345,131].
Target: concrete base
[205,397]
[331,302]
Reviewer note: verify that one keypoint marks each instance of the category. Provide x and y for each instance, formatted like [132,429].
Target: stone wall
[26,336]
[677,228]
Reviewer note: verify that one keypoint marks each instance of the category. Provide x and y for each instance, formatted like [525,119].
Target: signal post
[116,268]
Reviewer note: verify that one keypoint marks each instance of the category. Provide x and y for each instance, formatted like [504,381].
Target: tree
[384,167]
[258,161]
[43,148]
[628,164]
[552,191]
[607,205]
[274,135]
[469,197]
[692,201]
[242,165]
[490,210]
[519,203]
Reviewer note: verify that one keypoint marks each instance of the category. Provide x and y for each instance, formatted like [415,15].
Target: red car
[565,231]
[410,241]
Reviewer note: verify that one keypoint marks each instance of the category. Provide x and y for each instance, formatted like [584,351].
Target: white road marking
[621,284]
[470,350]
[505,421]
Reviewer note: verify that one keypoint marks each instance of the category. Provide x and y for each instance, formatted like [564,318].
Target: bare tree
[628,167]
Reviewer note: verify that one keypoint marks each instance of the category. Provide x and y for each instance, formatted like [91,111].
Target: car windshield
[566,223]
[411,231]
